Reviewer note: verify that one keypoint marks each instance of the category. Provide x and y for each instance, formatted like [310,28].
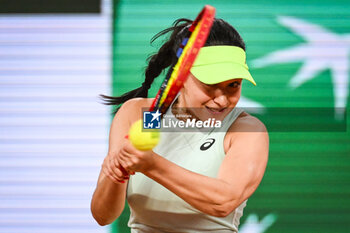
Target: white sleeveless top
[155,209]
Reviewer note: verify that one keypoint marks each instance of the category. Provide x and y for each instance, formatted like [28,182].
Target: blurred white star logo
[250,106]
[322,50]
[155,115]
[253,225]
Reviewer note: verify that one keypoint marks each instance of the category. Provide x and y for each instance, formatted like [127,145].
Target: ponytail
[157,63]
[221,33]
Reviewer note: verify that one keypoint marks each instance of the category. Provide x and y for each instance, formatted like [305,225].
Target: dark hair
[221,33]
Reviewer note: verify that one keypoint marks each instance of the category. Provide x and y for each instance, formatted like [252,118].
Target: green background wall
[307,181]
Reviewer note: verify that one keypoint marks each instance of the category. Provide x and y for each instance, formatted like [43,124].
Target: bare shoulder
[136,103]
[245,130]
[130,112]
[247,123]
[133,108]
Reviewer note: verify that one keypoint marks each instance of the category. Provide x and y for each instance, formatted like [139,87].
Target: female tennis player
[196,181]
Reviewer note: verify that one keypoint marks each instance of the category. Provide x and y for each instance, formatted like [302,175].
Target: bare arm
[109,197]
[238,177]
[108,200]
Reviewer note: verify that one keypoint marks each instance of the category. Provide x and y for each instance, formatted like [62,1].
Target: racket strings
[156,104]
[180,64]
[189,47]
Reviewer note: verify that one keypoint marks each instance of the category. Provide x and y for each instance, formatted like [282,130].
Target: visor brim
[221,72]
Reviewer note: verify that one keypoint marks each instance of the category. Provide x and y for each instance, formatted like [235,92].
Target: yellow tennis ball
[143,139]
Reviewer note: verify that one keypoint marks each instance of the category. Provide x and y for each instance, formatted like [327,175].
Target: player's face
[210,101]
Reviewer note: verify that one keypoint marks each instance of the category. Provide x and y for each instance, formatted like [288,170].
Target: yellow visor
[215,64]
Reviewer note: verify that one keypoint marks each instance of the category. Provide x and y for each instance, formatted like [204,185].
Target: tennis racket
[187,53]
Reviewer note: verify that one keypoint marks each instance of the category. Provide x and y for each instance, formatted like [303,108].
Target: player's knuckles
[115,176]
[108,162]
[116,163]
[123,155]
[111,171]
[109,167]
[134,160]
[125,149]
[111,176]
[119,158]
[115,180]
[108,174]
[123,164]
[105,165]
[128,165]
[105,171]
[118,174]
[111,157]
[105,168]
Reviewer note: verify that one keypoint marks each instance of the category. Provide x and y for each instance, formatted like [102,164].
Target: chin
[204,114]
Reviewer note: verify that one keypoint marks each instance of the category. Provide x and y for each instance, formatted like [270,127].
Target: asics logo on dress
[209,142]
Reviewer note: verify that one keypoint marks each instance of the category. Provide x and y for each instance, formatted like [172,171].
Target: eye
[234,84]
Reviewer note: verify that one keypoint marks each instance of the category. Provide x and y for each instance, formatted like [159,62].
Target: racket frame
[187,53]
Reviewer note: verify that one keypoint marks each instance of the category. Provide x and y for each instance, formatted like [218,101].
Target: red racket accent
[202,25]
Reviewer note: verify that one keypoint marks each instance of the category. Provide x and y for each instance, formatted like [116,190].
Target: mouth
[215,110]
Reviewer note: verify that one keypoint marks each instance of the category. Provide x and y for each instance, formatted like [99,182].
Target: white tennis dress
[155,209]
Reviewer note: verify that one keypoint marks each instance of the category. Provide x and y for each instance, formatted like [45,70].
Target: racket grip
[143,139]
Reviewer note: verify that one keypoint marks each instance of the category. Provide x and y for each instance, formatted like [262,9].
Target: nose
[221,99]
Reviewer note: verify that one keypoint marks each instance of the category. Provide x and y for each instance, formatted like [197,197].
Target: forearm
[108,200]
[209,195]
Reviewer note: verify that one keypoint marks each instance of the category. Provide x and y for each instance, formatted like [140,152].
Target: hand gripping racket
[187,53]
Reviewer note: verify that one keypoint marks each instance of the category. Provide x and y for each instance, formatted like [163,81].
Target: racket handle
[145,139]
